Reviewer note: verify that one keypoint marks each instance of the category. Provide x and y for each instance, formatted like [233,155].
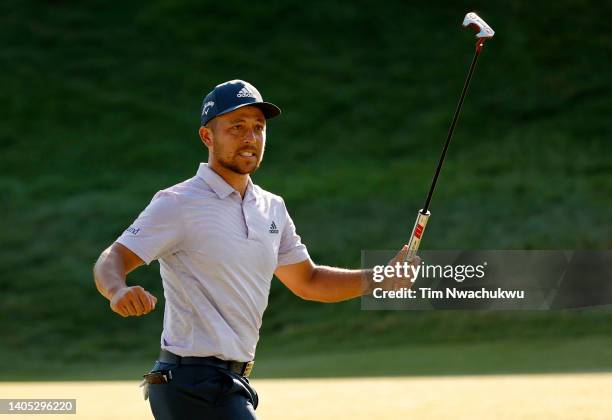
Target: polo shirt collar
[222,188]
[251,192]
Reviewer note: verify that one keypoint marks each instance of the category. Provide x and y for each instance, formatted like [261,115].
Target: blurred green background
[100,108]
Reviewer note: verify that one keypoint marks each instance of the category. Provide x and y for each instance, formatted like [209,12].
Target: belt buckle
[247,368]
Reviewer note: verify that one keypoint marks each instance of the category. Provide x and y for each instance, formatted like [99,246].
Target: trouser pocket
[240,384]
[157,376]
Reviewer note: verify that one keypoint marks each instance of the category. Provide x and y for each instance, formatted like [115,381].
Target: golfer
[219,240]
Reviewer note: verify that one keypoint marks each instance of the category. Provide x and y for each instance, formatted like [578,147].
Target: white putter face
[476,22]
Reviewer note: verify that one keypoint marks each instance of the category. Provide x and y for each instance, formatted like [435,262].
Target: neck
[237,181]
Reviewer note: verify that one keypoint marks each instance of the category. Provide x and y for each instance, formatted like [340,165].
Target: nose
[250,137]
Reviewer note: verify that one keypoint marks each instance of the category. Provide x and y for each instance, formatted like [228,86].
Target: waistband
[240,368]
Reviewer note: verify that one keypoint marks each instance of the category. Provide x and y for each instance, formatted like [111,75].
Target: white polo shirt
[217,254]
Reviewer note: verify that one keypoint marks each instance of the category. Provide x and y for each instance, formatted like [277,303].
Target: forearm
[109,273]
[331,284]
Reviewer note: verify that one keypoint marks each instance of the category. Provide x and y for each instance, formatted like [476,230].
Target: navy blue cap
[232,95]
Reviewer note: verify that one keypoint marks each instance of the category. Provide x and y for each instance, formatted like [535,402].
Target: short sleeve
[158,230]
[291,249]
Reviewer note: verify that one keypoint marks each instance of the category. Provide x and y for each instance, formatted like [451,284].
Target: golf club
[485,32]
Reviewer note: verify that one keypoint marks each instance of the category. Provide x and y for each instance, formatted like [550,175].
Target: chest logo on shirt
[273,228]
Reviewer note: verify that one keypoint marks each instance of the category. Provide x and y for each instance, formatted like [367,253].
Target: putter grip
[417,232]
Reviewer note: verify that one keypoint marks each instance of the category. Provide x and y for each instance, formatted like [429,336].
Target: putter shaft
[423,214]
[451,130]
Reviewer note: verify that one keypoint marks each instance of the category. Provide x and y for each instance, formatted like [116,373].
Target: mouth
[247,154]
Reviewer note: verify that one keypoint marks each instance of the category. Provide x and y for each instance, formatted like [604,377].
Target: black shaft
[450,131]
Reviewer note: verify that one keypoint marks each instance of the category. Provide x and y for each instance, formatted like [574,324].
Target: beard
[233,164]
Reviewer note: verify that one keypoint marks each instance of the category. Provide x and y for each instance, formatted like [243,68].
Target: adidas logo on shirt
[273,228]
[245,93]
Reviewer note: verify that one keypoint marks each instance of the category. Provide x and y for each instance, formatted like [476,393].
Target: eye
[259,128]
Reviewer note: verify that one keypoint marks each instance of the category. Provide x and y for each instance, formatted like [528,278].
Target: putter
[485,32]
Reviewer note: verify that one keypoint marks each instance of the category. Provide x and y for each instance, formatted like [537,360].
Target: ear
[206,135]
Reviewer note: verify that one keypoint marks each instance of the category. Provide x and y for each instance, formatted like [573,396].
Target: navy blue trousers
[202,392]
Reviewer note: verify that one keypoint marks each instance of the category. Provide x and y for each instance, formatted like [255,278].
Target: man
[219,240]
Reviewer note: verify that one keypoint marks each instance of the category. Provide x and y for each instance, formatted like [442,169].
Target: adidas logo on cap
[245,93]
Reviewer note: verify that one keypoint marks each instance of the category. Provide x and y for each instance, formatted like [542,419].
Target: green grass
[505,357]
[100,110]
[588,354]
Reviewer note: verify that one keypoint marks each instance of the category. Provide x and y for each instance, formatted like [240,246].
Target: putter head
[475,22]
[472,20]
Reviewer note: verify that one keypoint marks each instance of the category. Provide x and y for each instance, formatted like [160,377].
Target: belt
[240,368]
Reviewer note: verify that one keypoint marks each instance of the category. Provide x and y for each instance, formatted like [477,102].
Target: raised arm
[110,272]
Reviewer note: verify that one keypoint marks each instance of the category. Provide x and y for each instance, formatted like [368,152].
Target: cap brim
[269,109]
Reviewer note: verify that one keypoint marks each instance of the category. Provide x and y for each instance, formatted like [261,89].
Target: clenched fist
[132,301]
